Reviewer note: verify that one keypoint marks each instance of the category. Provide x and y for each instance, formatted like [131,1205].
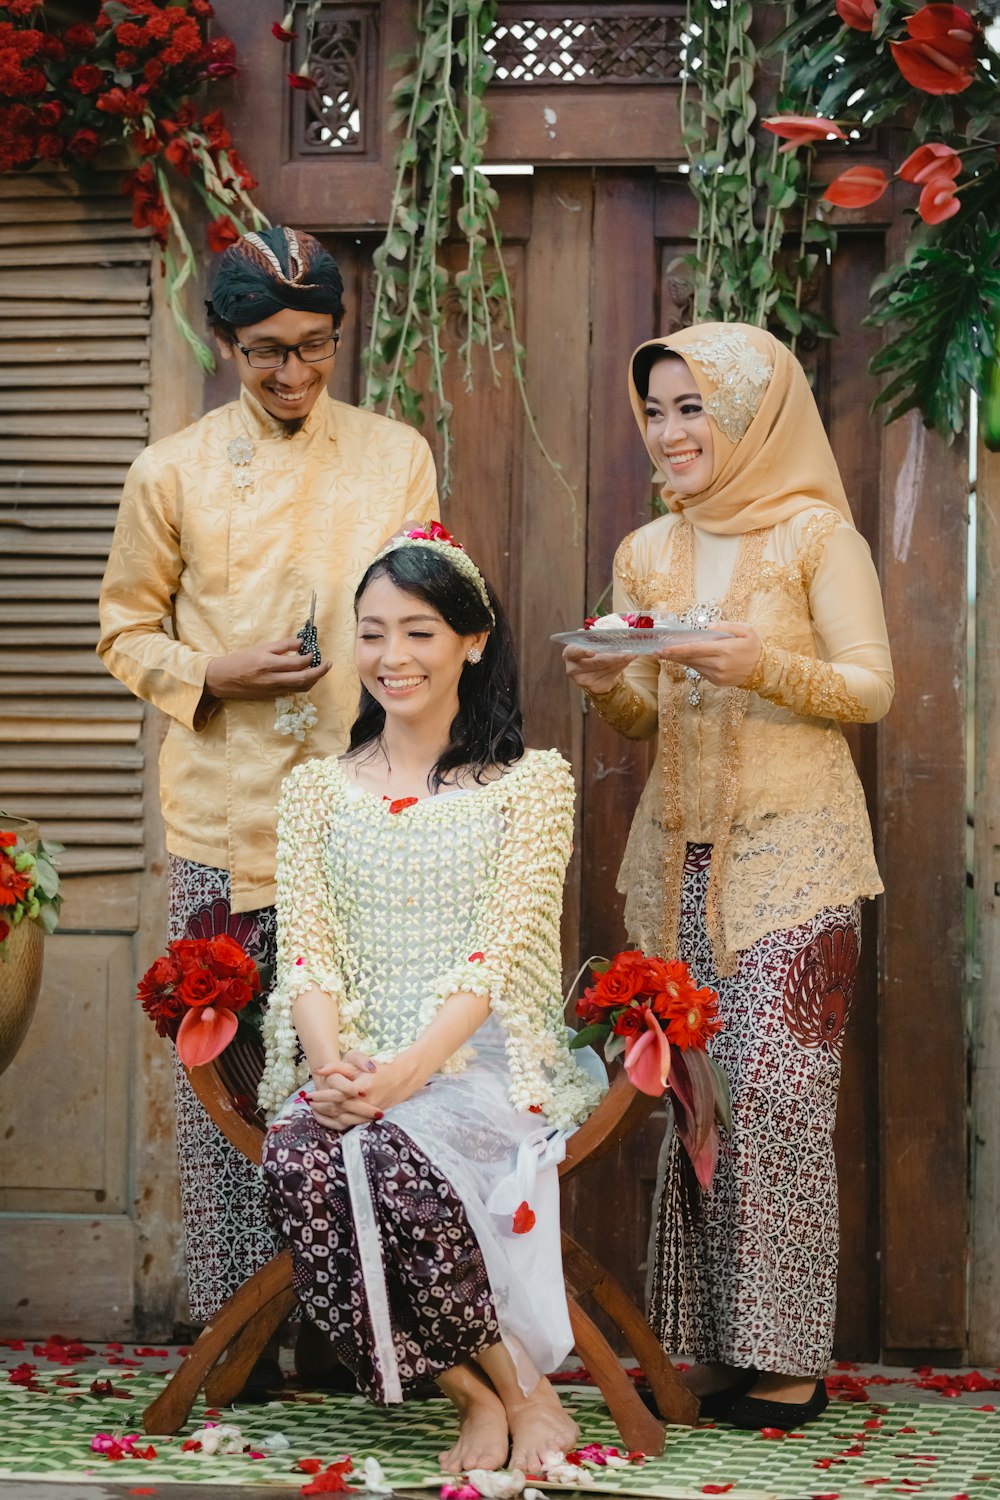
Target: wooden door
[88,1223]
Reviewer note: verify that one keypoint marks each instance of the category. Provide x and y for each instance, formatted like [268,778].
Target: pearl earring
[474,656]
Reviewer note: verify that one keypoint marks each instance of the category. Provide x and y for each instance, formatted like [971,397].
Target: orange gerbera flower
[695,1021]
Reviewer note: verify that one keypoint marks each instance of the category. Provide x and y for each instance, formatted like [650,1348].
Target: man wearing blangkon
[227,529]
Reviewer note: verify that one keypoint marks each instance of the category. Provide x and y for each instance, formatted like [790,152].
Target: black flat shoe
[264,1383]
[751,1413]
[720,1403]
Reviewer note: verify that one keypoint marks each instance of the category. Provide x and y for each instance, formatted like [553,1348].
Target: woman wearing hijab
[751,848]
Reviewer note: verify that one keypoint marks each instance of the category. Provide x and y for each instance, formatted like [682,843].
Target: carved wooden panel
[342,115]
[578,45]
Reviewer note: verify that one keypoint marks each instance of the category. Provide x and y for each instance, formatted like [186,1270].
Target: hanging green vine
[439,103]
[742,270]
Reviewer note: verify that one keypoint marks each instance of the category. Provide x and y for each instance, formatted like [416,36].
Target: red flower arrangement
[195,991]
[651,1010]
[128,80]
[29,886]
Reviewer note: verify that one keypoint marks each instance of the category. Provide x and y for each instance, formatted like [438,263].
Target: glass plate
[634,642]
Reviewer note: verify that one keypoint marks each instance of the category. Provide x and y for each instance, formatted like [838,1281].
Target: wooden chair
[228,1348]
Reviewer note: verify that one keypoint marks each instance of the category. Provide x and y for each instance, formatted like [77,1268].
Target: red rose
[84,143]
[199,987]
[630,1022]
[234,993]
[128,103]
[49,147]
[86,79]
[7,840]
[228,957]
[4,930]
[80,37]
[50,114]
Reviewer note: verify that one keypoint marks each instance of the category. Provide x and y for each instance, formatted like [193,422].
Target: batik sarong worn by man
[225,530]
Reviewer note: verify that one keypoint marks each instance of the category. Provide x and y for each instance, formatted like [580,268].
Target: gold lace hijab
[772,455]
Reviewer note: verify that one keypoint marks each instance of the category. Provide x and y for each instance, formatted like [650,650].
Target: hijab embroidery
[742,375]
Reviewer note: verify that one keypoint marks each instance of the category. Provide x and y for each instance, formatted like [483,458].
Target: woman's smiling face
[408,657]
[679,432]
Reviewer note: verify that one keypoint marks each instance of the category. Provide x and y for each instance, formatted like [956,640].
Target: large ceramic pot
[21,975]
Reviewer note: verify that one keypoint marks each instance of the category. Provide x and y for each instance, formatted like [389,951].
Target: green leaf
[590,1036]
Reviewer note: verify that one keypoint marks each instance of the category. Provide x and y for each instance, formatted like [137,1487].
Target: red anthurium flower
[204,1033]
[802,130]
[938,201]
[858,14]
[301,81]
[935,21]
[936,65]
[524,1219]
[939,57]
[933,159]
[647,1057]
[857,187]
[283,35]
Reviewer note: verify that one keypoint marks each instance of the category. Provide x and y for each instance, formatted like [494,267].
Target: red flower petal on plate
[773,1434]
[715,1489]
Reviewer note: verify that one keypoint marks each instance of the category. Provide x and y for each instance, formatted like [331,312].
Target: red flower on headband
[434,532]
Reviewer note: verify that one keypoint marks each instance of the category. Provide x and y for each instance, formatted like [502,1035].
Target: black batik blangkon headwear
[272,269]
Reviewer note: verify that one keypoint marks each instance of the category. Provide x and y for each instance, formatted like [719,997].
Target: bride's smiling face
[679,432]
[408,656]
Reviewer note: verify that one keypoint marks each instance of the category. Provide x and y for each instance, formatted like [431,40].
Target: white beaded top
[391,913]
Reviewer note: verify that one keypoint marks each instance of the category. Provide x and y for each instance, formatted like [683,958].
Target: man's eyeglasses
[273,356]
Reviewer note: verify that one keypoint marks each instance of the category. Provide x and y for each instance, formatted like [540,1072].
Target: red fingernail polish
[379,1114]
[361,1093]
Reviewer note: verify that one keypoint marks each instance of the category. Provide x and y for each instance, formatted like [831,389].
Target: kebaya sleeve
[516,960]
[143,571]
[852,681]
[306,949]
[630,706]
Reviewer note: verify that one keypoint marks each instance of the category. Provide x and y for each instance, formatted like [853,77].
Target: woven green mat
[853,1452]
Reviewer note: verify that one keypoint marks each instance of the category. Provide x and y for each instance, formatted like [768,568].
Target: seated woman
[419,895]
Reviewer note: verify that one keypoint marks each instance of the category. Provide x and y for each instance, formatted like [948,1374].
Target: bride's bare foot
[483,1437]
[539,1426]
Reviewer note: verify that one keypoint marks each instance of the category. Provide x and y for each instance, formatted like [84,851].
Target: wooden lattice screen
[74,397]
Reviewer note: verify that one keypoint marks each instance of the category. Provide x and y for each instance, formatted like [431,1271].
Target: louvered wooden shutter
[74,397]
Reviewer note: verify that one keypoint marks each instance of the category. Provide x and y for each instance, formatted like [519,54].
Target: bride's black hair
[486,731]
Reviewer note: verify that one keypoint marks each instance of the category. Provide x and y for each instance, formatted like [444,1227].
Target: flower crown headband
[441,541]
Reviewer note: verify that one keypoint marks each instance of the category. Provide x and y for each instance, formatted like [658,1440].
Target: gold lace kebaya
[225,529]
[762,772]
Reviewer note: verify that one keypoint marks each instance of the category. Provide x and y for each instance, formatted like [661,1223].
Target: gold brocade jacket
[762,772]
[226,541]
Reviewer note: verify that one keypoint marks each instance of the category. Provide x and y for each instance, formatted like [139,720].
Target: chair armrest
[622,1110]
[215,1096]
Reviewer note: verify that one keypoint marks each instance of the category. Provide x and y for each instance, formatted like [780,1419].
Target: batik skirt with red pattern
[746,1273]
